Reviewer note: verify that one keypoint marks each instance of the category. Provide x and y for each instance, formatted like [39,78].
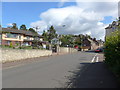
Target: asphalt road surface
[80,69]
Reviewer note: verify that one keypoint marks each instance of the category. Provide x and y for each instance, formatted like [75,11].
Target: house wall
[108,31]
[20,54]
[30,38]
[85,48]
[93,45]
[41,39]
[12,39]
[86,43]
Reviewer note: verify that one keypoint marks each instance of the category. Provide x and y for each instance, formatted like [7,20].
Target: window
[19,37]
[9,35]
[28,37]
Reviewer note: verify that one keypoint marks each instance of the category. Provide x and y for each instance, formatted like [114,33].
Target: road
[80,69]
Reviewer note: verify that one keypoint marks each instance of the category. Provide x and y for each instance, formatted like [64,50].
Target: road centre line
[94,58]
[97,59]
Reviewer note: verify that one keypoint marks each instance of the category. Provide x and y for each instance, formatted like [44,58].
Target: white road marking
[69,85]
[94,58]
[97,59]
[91,61]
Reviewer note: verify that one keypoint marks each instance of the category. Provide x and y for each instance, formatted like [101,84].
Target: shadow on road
[92,75]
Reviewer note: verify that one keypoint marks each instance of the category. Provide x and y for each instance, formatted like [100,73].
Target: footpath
[94,75]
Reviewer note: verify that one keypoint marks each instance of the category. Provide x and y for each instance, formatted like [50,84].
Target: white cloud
[85,18]
[41,24]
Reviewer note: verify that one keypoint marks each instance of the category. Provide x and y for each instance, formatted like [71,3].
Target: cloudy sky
[67,17]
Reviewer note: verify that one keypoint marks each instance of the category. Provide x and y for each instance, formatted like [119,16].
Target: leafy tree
[67,40]
[14,26]
[78,41]
[45,36]
[51,33]
[88,36]
[23,27]
[32,30]
[35,44]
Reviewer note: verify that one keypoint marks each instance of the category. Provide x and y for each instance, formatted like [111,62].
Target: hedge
[112,52]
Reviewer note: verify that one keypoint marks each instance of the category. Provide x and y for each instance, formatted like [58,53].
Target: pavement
[74,70]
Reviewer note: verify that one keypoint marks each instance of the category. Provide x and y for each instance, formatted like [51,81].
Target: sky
[76,17]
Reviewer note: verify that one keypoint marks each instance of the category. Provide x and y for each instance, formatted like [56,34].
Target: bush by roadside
[112,53]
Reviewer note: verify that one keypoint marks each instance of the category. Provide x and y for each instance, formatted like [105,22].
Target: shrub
[11,45]
[112,52]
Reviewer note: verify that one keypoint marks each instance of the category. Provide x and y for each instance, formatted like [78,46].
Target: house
[19,37]
[112,27]
[101,43]
[90,44]
[86,44]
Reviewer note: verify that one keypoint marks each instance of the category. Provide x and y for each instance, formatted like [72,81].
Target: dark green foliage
[45,36]
[14,26]
[23,27]
[78,41]
[32,30]
[67,40]
[50,34]
[11,45]
[112,52]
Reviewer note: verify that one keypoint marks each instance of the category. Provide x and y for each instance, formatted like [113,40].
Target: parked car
[98,50]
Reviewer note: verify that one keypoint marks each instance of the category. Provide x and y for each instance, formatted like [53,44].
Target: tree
[67,40]
[23,27]
[51,33]
[35,43]
[88,36]
[78,41]
[45,35]
[14,26]
[32,30]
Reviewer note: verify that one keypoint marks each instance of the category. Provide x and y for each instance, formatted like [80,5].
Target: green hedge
[112,52]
